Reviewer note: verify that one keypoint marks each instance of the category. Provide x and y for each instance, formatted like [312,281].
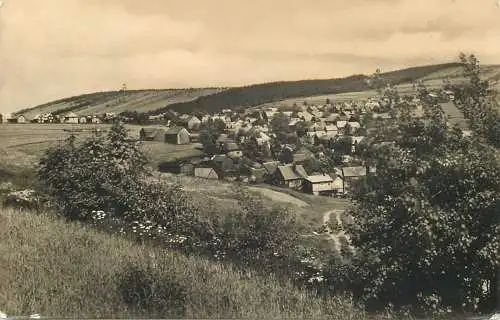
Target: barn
[152,134]
[177,135]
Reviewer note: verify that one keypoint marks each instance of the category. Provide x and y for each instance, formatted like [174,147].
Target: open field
[65,270]
[23,144]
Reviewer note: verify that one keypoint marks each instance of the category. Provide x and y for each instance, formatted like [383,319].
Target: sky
[50,49]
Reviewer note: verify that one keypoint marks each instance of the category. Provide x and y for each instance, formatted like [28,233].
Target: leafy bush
[254,235]
[95,174]
[427,224]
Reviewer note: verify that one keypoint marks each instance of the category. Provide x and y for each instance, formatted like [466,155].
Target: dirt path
[334,236]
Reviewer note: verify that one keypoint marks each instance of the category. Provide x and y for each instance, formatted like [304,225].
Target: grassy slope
[118,101]
[55,268]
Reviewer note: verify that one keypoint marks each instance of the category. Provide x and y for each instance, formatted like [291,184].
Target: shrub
[255,235]
[95,174]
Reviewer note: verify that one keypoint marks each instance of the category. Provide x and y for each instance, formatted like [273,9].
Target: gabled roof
[358,171]
[319,178]
[341,124]
[271,166]
[151,132]
[331,127]
[288,173]
[175,130]
[205,173]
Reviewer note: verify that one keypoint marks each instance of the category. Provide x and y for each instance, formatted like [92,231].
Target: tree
[209,133]
[476,100]
[427,224]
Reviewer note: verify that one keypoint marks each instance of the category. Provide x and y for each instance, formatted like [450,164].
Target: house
[301,155]
[70,118]
[36,119]
[82,120]
[206,173]
[232,149]
[290,176]
[222,139]
[177,135]
[332,118]
[341,125]
[355,141]
[306,116]
[95,120]
[317,114]
[351,175]
[190,122]
[270,167]
[318,184]
[184,166]
[152,134]
[353,126]
[331,128]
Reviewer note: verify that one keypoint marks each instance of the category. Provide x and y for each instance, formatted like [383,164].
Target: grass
[59,269]
[23,144]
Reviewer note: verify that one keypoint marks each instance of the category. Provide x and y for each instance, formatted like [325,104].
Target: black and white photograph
[250,159]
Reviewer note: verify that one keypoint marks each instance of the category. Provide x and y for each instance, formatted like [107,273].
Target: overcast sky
[51,49]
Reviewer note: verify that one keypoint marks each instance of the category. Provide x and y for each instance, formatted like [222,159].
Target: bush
[256,236]
[148,290]
[94,175]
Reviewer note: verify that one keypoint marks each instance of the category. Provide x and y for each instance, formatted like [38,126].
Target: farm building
[16,119]
[206,173]
[352,174]
[319,184]
[191,122]
[290,176]
[71,118]
[82,120]
[152,134]
[178,166]
[177,135]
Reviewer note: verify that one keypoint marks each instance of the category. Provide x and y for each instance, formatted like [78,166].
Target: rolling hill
[119,101]
[288,92]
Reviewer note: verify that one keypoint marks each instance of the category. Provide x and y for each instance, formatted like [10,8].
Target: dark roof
[151,132]
[174,130]
[231,146]
[290,173]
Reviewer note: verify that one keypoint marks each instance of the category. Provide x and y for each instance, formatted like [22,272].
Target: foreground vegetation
[60,269]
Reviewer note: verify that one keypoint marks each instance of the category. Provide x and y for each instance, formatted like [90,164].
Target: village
[311,148]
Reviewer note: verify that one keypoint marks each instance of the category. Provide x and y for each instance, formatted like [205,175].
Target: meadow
[59,269]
